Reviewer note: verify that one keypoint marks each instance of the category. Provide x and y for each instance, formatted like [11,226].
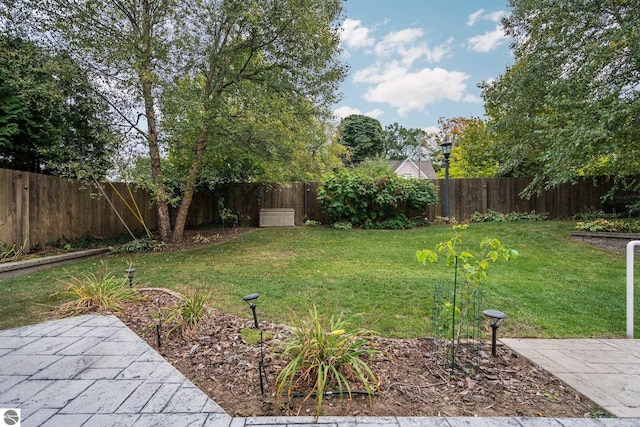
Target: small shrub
[469,271]
[442,220]
[8,251]
[226,214]
[199,238]
[311,223]
[591,214]
[608,225]
[186,316]
[138,245]
[492,216]
[90,292]
[342,225]
[323,355]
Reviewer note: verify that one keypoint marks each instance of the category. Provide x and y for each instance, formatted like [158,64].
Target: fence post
[23,233]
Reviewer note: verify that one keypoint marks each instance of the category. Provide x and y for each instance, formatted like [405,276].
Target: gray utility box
[277,217]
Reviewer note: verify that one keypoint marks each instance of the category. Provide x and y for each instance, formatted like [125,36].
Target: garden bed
[607,240]
[414,374]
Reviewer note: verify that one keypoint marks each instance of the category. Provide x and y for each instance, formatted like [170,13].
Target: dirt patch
[414,373]
[194,239]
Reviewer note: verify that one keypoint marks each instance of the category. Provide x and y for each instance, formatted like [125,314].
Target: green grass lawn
[557,287]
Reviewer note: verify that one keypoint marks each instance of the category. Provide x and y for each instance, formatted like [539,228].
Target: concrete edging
[19,268]
[606,235]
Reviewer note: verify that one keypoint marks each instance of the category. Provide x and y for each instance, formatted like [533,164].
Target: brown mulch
[415,379]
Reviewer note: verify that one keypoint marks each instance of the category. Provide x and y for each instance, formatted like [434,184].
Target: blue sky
[414,61]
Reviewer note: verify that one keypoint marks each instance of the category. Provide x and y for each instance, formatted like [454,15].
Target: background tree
[50,120]
[262,137]
[473,154]
[577,69]
[516,109]
[363,135]
[401,142]
[213,48]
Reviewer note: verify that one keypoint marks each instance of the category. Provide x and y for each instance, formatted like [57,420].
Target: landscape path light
[250,299]
[446,152]
[130,272]
[495,317]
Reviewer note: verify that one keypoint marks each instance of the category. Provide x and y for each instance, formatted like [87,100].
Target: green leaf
[426,255]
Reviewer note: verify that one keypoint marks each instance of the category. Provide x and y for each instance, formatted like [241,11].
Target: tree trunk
[194,170]
[164,222]
[187,197]
[145,72]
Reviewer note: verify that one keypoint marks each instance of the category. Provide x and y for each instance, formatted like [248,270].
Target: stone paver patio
[605,370]
[92,370]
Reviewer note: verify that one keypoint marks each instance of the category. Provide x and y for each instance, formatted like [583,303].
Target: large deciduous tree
[50,120]
[216,49]
[570,105]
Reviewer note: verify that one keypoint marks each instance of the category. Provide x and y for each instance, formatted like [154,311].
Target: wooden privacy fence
[503,195]
[466,197]
[38,209]
[41,208]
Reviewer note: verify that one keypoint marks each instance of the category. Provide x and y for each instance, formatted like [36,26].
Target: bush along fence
[39,209]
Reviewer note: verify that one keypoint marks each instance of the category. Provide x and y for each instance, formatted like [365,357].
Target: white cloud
[395,39]
[355,35]
[488,41]
[399,79]
[439,52]
[375,113]
[380,72]
[413,91]
[489,81]
[474,17]
[408,45]
[472,98]
[495,16]
[345,111]
[342,112]
[481,15]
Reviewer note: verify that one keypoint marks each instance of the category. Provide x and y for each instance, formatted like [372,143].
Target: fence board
[8,207]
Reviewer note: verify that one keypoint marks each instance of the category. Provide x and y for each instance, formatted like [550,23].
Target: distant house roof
[422,169]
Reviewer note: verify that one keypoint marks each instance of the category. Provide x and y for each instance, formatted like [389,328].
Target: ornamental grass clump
[325,357]
[193,308]
[102,293]
[188,313]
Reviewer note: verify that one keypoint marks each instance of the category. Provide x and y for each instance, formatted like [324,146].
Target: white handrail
[630,252]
